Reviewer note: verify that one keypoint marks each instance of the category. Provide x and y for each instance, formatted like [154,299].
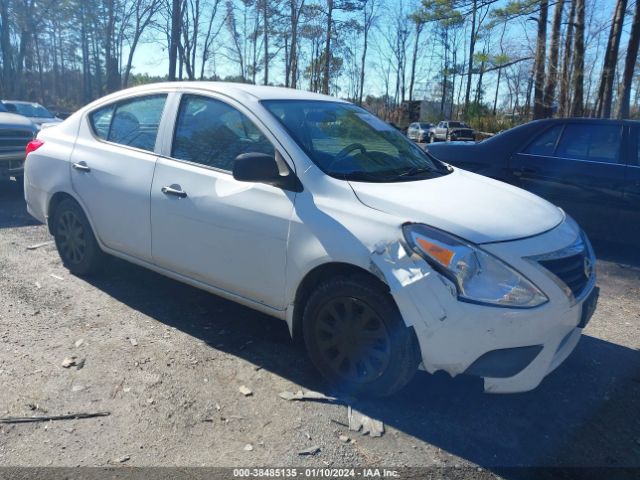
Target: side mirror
[262,168]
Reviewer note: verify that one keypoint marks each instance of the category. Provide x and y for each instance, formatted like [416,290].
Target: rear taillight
[32,146]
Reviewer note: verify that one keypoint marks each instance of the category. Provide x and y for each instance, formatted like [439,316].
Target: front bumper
[11,166]
[455,336]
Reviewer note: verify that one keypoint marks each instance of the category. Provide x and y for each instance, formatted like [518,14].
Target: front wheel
[76,244]
[356,337]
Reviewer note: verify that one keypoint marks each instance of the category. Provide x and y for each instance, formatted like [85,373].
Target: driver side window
[211,133]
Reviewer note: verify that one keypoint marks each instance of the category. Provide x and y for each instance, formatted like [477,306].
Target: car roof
[259,92]
[21,102]
[585,120]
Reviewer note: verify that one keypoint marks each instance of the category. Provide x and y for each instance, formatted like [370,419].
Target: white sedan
[310,209]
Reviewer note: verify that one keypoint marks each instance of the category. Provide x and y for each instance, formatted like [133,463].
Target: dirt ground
[167,360]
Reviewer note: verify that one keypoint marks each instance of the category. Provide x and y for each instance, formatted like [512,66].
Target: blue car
[589,167]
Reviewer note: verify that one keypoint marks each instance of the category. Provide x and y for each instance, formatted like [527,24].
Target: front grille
[572,271]
[462,133]
[12,140]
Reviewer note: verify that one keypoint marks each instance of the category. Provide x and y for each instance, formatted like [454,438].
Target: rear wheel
[356,337]
[76,244]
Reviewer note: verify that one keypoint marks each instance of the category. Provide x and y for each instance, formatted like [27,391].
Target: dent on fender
[409,279]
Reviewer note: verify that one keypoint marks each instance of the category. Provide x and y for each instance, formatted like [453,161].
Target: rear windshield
[32,110]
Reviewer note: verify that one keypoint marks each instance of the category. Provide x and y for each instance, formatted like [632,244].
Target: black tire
[336,341]
[75,241]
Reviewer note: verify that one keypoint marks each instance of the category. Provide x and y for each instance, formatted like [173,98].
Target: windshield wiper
[413,171]
[363,176]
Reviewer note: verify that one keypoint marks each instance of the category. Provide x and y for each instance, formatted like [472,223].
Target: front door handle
[175,190]
[81,166]
[528,171]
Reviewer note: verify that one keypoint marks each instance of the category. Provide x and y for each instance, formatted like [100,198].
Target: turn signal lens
[438,253]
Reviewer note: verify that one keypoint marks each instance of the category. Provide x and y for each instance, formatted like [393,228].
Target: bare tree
[419,23]
[605,90]
[291,69]
[577,105]
[624,90]
[554,52]
[176,23]
[564,99]
[142,13]
[541,45]
[369,8]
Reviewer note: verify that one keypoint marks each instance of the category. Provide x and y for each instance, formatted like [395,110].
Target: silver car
[419,131]
[33,111]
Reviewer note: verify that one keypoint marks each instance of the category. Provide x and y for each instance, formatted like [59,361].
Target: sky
[152,57]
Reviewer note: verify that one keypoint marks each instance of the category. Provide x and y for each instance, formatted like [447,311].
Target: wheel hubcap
[353,340]
[71,237]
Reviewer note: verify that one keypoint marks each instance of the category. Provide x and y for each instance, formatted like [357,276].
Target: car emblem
[588,267]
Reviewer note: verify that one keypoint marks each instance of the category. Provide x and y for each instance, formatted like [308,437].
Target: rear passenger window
[545,144]
[133,123]
[597,143]
[212,133]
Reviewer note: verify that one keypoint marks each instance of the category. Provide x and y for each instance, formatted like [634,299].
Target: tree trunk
[541,48]
[176,23]
[111,62]
[265,21]
[86,61]
[605,90]
[624,90]
[5,45]
[565,81]
[365,46]
[293,50]
[445,39]
[472,44]
[552,77]
[495,99]
[414,59]
[327,49]
[577,105]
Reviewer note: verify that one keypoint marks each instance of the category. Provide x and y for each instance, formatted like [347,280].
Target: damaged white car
[312,210]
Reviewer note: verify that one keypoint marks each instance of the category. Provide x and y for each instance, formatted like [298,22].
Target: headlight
[478,275]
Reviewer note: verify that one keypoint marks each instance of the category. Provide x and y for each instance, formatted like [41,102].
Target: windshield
[457,125]
[426,125]
[347,142]
[33,110]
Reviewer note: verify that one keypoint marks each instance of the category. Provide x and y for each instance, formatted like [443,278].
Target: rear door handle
[175,190]
[81,166]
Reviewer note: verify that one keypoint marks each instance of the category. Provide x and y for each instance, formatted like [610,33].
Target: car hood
[45,120]
[11,120]
[453,151]
[473,207]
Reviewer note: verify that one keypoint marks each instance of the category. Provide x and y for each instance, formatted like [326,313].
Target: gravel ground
[167,360]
